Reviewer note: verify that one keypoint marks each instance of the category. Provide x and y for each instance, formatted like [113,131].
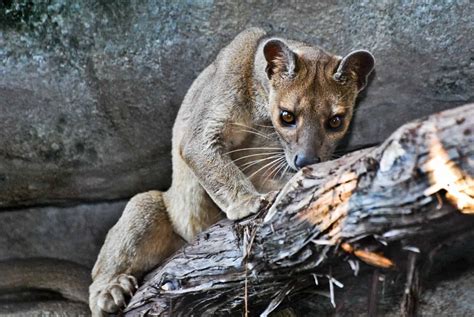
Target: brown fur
[229,150]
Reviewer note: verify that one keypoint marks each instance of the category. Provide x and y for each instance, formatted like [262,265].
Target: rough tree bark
[386,206]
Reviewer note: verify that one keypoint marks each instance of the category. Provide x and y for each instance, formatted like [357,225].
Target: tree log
[385,206]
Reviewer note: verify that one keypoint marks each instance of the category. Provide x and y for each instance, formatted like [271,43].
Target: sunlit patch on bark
[446,175]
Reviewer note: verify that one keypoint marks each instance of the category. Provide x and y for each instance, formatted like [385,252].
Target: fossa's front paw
[248,206]
[112,298]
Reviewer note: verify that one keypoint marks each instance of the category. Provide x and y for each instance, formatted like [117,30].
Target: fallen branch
[376,206]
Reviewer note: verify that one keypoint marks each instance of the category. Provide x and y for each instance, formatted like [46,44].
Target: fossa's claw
[112,298]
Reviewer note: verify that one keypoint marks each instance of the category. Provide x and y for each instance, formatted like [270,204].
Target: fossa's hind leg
[142,238]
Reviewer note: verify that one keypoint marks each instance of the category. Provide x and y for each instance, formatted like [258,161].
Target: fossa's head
[312,96]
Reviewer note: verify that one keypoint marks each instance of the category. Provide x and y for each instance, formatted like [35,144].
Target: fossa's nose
[302,160]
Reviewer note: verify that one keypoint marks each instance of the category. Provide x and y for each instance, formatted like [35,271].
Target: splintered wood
[394,199]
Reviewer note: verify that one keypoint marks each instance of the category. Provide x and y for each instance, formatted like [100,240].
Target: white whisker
[256,133]
[284,172]
[265,126]
[276,169]
[254,148]
[256,154]
[271,169]
[252,163]
[272,155]
[264,166]
[283,164]
[245,126]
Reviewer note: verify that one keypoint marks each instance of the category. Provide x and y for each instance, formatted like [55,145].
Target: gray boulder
[73,233]
[89,90]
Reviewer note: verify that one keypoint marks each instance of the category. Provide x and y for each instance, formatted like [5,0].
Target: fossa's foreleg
[141,239]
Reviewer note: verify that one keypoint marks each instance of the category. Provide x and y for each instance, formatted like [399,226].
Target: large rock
[73,233]
[89,90]
[56,246]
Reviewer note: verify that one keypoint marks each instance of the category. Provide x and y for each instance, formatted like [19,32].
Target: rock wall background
[89,91]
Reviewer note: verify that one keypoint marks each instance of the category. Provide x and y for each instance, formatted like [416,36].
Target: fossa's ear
[280,59]
[356,66]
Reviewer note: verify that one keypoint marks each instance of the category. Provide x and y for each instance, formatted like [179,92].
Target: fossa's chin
[292,166]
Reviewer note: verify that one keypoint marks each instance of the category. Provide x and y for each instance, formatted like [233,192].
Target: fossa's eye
[287,117]
[335,122]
